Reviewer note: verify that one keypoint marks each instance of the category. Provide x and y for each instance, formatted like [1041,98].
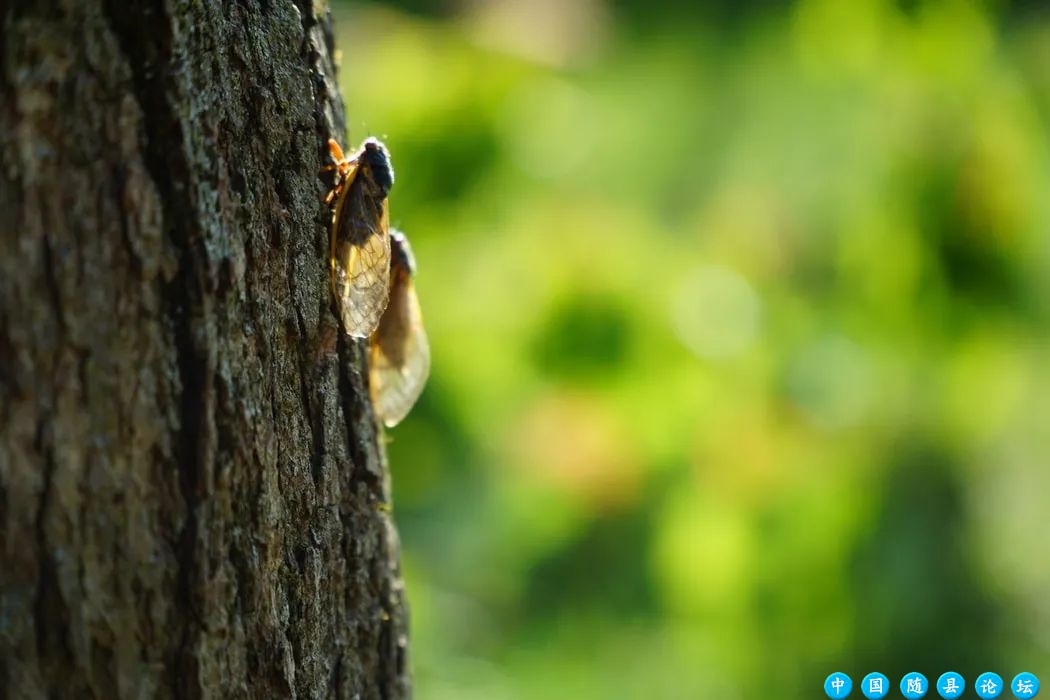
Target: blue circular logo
[950,685]
[838,685]
[914,686]
[988,685]
[1025,685]
[875,686]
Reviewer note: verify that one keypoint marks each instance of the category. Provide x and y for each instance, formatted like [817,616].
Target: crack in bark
[49,606]
[310,400]
[361,427]
[149,60]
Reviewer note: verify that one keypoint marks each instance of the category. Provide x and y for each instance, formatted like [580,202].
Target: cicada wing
[361,262]
[400,354]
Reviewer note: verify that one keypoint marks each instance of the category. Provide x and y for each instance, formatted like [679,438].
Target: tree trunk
[192,489]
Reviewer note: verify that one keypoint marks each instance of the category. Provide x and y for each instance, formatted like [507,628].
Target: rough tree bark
[192,487]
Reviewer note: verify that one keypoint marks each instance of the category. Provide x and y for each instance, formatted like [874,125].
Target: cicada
[360,238]
[400,354]
[372,271]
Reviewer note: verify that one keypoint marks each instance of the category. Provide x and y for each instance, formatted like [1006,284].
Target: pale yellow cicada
[372,270]
[400,357]
[360,238]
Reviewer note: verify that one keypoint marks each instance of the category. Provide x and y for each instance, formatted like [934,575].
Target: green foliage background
[740,347]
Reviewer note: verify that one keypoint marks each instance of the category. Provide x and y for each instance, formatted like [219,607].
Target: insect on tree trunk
[192,491]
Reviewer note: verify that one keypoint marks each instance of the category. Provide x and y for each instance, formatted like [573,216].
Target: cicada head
[375,159]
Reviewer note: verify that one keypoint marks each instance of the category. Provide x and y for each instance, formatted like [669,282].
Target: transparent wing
[360,258]
[400,353]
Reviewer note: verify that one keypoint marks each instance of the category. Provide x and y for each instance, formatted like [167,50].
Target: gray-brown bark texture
[192,487]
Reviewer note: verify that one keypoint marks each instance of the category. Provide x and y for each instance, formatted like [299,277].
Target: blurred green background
[740,345]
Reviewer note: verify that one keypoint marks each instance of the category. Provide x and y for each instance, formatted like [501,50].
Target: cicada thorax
[360,236]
